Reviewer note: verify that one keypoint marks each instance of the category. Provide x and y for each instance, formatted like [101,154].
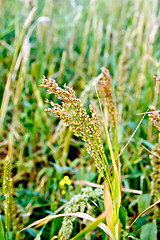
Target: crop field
[80,119]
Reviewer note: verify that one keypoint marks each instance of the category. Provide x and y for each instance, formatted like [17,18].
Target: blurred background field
[70,41]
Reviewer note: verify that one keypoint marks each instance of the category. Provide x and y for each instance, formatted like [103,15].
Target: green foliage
[143,202]
[71,42]
[123,216]
[149,231]
[2,233]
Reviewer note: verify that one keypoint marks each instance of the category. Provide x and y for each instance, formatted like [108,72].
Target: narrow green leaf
[117,196]
[2,237]
[32,232]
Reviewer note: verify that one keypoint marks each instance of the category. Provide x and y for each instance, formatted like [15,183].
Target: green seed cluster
[72,112]
[77,203]
[7,192]
[7,177]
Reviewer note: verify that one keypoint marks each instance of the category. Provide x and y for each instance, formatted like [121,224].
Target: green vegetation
[51,178]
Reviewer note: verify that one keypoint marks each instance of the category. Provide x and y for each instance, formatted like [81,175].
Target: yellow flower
[65,181]
[62,183]
[66,178]
[68,182]
[63,192]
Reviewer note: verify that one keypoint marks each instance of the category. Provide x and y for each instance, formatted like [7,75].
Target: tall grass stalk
[74,115]
[6,94]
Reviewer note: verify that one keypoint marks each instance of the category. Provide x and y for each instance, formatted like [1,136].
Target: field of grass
[71,41]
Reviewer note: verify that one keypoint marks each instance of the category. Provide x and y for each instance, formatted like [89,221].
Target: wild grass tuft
[72,112]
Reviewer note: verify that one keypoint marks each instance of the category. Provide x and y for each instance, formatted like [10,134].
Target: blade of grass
[2,237]
[108,204]
[157,202]
[77,214]
[130,138]
[93,226]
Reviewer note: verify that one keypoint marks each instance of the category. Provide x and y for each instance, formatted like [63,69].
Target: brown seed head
[155,116]
[105,89]
[72,112]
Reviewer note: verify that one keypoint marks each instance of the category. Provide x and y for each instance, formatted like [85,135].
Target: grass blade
[2,236]
[144,212]
[77,214]
[93,226]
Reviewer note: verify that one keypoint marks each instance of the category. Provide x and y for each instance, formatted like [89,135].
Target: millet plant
[89,127]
